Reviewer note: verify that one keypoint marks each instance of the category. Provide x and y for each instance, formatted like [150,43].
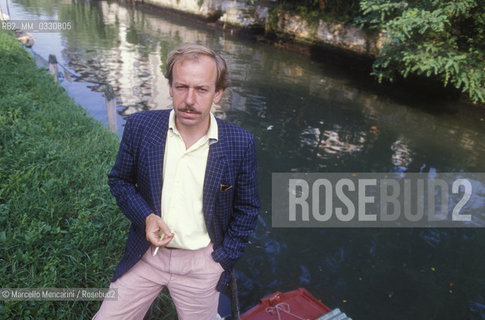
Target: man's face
[193,91]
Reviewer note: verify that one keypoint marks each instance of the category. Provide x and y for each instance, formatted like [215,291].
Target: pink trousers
[191,277]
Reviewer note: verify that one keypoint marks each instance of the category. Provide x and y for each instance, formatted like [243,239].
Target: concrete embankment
[262,18]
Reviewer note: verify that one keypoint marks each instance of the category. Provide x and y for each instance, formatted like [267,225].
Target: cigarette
[156,250]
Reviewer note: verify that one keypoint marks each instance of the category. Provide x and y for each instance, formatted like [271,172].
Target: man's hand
[153,225]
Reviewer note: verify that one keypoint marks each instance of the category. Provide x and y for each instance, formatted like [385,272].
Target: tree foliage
[444,39]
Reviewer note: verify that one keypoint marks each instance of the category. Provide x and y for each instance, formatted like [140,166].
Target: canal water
[307,116]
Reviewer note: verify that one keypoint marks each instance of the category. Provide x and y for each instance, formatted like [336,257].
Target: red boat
[298,304]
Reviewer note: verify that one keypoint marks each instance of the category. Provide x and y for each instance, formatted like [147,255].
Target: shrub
[441,39]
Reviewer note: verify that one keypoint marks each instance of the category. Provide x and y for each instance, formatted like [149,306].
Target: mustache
[188,109]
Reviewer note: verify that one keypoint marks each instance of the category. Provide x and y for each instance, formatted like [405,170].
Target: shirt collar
[212,133]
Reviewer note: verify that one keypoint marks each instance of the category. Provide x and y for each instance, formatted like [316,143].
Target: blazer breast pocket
[225,195]
[225,187]
[224,203]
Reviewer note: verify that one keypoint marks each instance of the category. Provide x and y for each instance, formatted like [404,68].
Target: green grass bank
[59,225]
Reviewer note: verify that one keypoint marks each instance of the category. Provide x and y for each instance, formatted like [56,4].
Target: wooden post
[234,298]
[53,69]
[110,108]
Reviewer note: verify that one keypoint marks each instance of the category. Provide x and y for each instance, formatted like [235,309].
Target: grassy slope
[59,226]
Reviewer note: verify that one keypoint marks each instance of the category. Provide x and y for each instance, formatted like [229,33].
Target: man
[187,181]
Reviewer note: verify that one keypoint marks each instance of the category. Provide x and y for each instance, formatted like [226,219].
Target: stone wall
[329,33]
[255,15]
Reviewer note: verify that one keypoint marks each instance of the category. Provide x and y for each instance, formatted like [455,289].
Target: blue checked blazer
[136,183]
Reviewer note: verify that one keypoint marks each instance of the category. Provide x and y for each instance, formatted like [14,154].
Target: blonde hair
[193,51]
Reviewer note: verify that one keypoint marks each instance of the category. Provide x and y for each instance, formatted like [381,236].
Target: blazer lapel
[156,150]
[216,164]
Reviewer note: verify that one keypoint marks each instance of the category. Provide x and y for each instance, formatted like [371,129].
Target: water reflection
[306,117]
